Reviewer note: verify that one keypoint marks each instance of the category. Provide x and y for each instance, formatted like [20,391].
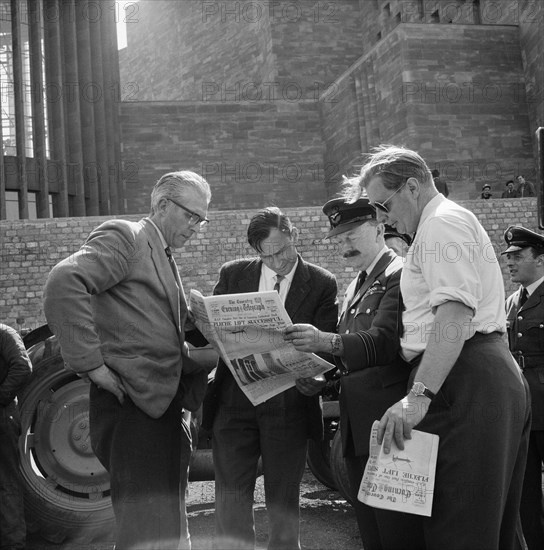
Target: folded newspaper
[402,481]
[247,331]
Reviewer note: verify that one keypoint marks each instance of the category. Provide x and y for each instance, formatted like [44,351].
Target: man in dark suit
[366,348]
[118,309]
[525,188]
[510,192]
[525,324]
[15,369]
[278,429]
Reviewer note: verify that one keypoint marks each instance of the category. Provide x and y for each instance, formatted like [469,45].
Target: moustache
[351,254]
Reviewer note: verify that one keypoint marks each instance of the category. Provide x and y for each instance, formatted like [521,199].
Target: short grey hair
[174,184]
[394,165]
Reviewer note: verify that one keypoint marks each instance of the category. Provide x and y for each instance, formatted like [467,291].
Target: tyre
[339,468]
[66,489]
[319,455]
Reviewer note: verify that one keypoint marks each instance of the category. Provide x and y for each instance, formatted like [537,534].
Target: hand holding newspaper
[247,331]
[402,481]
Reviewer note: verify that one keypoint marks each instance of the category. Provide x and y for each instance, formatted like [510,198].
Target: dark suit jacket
[115,301]
[374,375]
[15,366]
[526,337]
[312,298]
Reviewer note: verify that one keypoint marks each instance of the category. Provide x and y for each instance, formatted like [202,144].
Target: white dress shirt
[450,259]
[268,280]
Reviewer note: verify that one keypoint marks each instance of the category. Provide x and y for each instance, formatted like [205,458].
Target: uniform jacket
[374,376]
[15,367]
[312,298]
[116,301]
[526,337]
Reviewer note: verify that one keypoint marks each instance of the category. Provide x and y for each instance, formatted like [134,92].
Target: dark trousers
[482,415]
[379,529]
[532,505]
[277,432]
[12,517]
[147,459]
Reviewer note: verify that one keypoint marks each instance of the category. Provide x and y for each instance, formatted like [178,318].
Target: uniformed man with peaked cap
[366,348]
[525,324]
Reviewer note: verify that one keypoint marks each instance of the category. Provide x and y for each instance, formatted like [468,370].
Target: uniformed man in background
[525,323]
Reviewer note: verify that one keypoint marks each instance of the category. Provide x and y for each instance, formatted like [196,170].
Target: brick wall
[314,41]
[381,16]
[29,249]
[466,112]
[182,49]
[531,26]
[198,49]
[253,154]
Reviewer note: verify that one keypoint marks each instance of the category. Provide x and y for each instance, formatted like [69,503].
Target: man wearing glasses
[278,429]
[464,386]
[118,309]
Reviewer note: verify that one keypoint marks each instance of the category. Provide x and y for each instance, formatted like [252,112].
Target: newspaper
[402,481]
[247,331]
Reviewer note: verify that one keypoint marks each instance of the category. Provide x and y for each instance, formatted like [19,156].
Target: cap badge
[335,217]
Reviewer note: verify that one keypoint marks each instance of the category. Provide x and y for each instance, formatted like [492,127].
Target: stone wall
[219,49]
[466,112]
[29,249]
[251,104]
[187,49]
[253,154]
[531,26]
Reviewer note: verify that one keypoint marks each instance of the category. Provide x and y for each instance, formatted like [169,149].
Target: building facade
[273,101]
[59,78]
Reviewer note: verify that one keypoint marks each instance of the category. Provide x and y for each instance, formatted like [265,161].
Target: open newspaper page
[247,331]
[402,481]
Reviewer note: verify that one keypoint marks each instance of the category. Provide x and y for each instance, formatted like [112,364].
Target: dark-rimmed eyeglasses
[382,205]
[194,219]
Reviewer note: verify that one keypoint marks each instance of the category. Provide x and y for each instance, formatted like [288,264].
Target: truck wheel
[339,468]
[67,490]
[319,455]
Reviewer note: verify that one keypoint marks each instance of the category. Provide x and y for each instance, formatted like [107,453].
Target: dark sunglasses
[382,205]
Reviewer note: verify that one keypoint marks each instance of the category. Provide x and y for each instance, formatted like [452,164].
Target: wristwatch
[419,388]
[336,343]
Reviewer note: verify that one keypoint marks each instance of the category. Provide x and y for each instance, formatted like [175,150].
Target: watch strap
[419,388]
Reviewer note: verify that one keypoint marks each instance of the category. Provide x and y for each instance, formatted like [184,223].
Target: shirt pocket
[370,302]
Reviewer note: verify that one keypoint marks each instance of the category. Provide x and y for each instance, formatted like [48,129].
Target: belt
[528,361]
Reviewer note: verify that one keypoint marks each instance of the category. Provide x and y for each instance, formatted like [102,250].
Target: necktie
[523,297]
[179,287]
[172,263]
[360,281]
[279,279]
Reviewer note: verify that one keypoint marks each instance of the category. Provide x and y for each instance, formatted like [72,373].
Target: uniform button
[352,311]
[347,331]
[520,334]
[541,326]
[520,318]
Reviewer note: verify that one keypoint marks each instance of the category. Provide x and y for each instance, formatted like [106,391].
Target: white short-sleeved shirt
[450,259]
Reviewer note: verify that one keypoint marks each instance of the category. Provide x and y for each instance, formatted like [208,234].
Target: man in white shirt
[278,429]
[525,322]
[466,388]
